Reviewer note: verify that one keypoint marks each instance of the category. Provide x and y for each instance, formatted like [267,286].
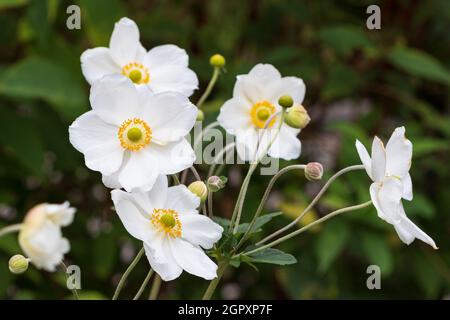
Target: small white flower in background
[173,232]
[255,100]
[131,136]
[40,236]
[163,68]
[389,170]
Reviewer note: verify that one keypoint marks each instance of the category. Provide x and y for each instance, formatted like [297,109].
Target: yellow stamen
[136,72]
[261,112]
[167,221]
[134,134]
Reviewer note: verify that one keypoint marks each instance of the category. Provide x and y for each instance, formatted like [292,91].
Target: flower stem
[155,288]
[199,138]
[219,157]
[143,285]
[209,88]
[313,202]
[312,224]
[210,204]
[127,273]
[74,291]
[10,229]
[213,284]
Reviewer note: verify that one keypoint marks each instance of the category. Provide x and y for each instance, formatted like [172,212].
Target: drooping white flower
[172,230]
[40,236]
[163,68]
[131,136]
[254,101]
[389,170]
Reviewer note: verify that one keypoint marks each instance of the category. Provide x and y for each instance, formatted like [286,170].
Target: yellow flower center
[136,72]
[167,221]
[261,112]
[134,134]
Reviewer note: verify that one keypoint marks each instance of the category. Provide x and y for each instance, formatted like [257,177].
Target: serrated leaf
[271,256]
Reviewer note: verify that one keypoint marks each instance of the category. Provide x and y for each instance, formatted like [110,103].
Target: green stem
[199,138]
[155,288]
[127,273]
[213,284]
[143,285]
[176,181]
[312,224]
[209,88]
[219,156]
[10,229]
[74,291]
[210,204]
[313,202]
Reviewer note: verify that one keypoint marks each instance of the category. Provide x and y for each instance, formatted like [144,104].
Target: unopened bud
[200,115]
[285,101]
[18,264]
[199,189]
[217,61]
[313,171]
[297,117]
[216,183]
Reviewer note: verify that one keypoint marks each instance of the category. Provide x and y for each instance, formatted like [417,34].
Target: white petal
[192,259]
[61,214]
[408,231]
[292,86]
[114,99]
[365,158]
[180,199]
[161,260]
[166,55]
[200,230]
[389,197]
[172,157]
[265,71]
[407,187]
[170,115]
[140,172]
[286,144]
[398,154]
[98,142]
[173,78]
[131,215]
[96,63]
[378,160]
[124,43]
[235,114]
[158,194]
[246,143]
[249,89]
[112,181]
[374,187]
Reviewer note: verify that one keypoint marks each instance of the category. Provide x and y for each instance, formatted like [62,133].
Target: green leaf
[341,82]
[331,242]
[271,256]
[418,63]
[426,146]
[378,252]
[40,78]
[260,221]
[344,38]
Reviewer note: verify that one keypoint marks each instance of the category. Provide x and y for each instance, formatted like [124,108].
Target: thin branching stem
[127,273]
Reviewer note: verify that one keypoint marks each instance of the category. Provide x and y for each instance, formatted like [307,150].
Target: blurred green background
[359,83]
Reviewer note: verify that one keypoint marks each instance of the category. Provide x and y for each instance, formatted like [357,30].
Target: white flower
[163,68]
[255,99]
[40,236]
[131,136]
[389,170]
[172,230]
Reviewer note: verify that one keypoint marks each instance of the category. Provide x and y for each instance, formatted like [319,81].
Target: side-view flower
[131,136]
[163,68]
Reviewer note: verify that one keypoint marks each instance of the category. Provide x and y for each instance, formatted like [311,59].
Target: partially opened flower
[163,68]
[389,170]
[172,230]
[40,236]
[255,100]
[131,136]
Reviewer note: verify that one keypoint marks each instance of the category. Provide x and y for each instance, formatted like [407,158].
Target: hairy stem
[127,273]
[209,88]
[10,229]
[155,288]
[219,156]
[143,285]
[213,284]
[74,291]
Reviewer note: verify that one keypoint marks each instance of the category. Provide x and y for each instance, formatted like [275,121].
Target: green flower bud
[199,189]
[200,115]
[285,101]
[297,117]
[216,183]
[217,61]
[313,171]
[18,264]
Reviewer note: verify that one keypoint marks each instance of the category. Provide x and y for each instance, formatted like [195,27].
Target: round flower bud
[285,101]
[313,171]
[217,60]
[199,189]
[18,264]
[297,117]
[200,115]
[216,183]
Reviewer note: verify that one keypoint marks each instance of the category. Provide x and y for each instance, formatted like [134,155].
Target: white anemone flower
[389,170]
[40,236]
[131,136]
[163,68]
[166,220]
[254,101]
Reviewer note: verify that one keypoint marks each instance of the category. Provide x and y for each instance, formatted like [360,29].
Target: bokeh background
[359,83]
